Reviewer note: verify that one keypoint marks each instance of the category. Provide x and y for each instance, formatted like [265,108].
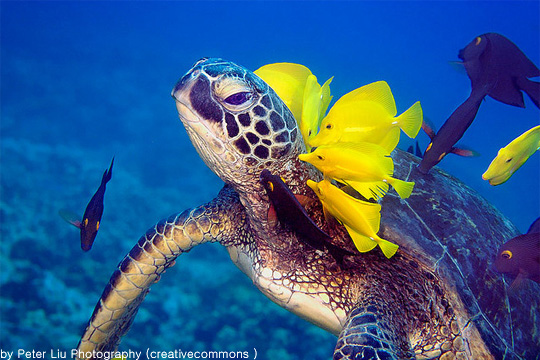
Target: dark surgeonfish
[92,215]
[493,60]
[415,150]
[520,256]
[496,67]
[289,211]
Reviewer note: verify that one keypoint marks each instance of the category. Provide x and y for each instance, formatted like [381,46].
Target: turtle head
[237,123]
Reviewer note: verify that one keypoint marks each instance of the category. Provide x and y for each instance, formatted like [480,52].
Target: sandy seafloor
[83,81]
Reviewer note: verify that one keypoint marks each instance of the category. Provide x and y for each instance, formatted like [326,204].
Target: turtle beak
[182,88]
[180,94]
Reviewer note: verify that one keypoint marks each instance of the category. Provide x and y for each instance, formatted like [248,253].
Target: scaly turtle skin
[435,299]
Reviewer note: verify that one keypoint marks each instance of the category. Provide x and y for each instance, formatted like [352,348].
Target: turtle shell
[453,230]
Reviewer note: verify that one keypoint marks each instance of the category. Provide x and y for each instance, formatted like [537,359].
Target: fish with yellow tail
[513,156]
[300,91]
[360,218]
[366,167]
[368,114]
[315,103]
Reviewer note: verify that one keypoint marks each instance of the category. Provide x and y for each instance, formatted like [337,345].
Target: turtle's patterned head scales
[235,120]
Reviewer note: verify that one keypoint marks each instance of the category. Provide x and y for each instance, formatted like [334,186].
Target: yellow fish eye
[508,160]
[506,254]
[320,157]
[329,126]
[478,40]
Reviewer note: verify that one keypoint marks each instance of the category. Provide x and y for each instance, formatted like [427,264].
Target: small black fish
[520,256]
[496,67]
[415,150]
[289,211]
[92,215]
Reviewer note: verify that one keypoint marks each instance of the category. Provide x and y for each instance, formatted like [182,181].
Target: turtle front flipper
[366,336]
[154,253]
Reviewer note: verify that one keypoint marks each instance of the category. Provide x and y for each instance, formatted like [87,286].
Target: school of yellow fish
[352,147]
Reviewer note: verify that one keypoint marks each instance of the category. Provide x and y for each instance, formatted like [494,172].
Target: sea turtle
[435,299]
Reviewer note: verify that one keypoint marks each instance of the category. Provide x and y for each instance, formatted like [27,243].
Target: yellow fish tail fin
[369,190]
[411,120]
[388,248]
[403,188]
[363,243]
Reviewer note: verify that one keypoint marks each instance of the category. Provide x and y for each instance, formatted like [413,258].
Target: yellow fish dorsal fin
[372,214]
[378,92]
[370,211]
[362,242]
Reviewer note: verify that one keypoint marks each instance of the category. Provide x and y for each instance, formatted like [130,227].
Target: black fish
[92,215]
[496,67]
[520,256]
[289,211]
[449,134]
[415,150]
[493,60]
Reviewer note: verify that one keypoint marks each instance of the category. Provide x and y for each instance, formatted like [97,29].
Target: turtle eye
[238,98]
[234,93]
[506,254]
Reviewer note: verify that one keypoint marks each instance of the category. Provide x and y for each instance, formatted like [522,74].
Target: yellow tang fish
[300,91]
[368,114]
[288,81]
[512,156]
[360,218]
[366,167]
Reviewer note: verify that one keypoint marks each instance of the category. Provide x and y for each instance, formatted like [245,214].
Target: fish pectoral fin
[363,243]
[411,120]
[71,218]
[518,282]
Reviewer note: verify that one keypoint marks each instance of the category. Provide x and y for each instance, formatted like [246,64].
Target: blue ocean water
[84,81]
